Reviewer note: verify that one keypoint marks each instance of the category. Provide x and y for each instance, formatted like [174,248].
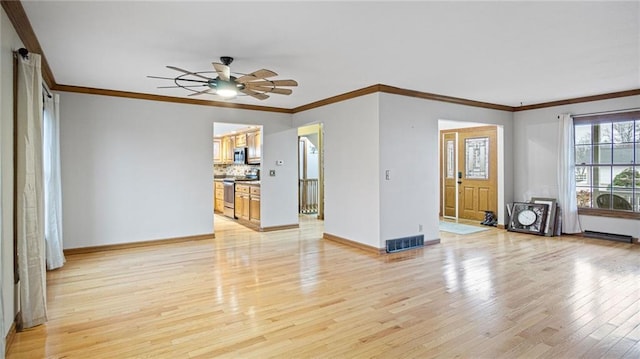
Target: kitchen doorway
[468,172]
[237,156]
[311,170]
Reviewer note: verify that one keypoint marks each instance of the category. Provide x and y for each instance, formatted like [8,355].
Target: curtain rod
[46,90]
[25,54]
[606,112]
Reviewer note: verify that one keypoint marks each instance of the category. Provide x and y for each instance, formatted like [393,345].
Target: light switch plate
[272,173]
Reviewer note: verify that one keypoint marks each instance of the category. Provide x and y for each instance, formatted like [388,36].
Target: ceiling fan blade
[273,83]
[201,92]
[259,96]
[188,72]
[223,70]
[171,78]
[272,90]
[256,75]
[178,87]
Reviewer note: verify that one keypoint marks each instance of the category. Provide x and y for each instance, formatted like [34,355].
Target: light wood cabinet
[254,204]
[228,144]
[238,203]
[218,197]
[247,204]
[242,205]
[217,150]
[254,151]
[241,140]
[246,207]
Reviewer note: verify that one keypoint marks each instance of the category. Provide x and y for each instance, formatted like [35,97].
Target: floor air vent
[401,244]
[609,236]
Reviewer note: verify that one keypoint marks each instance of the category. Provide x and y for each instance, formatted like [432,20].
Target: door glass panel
[450,159]
[477,158]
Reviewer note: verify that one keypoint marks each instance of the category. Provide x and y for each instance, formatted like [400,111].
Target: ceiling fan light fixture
[226,89]
[227,86]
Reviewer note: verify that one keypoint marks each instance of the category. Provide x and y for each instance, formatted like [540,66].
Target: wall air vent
[609,236]
[401,244]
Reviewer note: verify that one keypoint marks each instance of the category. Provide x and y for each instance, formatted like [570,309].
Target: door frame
[499,195]
[318,129]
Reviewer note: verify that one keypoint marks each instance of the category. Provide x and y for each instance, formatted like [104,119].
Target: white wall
[396,133]
[9,42]
[536,147]
[351,167]
[409,148]
[136,170]
[283,145]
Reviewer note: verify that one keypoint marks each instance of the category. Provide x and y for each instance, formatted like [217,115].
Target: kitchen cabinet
[247,204]
[254,152]
[218,198]
[241,140]
[238,202]
[228,144]
[246,207]
[254,204]
[242,202]
[217,150]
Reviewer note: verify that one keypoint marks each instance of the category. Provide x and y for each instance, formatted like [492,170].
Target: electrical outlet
[387,175]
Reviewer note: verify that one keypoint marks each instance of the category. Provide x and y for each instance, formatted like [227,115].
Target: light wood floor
[290,294]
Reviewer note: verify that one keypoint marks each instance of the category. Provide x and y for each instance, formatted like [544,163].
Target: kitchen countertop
[240,180]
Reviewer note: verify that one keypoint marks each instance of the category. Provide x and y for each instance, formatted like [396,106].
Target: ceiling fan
[225,85]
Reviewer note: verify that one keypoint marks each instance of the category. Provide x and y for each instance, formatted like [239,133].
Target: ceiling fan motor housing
[226,60]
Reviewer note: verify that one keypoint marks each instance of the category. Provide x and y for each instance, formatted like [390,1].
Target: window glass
[583,176]
[583,134]
[607,150]
[602,133]
[623,153]
[584,196]
[583,154]
[623,132]
[602,154]
[602,176]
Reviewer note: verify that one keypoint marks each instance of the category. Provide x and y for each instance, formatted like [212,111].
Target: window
[607,155]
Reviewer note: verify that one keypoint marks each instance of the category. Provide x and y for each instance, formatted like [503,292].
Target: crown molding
[338,98]
[17,16]
[21,24]
[606,96]
[442,98]
[150,97]
[402,92]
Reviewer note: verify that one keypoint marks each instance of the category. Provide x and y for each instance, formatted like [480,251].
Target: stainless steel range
[230,190]
[229,197]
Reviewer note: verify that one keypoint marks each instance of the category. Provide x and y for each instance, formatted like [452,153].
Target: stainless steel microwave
[240,155]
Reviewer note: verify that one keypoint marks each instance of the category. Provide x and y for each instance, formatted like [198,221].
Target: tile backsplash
[232,170]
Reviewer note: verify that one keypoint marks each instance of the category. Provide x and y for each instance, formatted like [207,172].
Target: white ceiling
[505,53]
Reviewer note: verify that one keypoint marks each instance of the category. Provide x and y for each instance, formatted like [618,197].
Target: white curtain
[30,194]
[570,221]
[52,183]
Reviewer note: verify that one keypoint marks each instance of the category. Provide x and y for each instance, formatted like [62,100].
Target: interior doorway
[311,170]
[469,172]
